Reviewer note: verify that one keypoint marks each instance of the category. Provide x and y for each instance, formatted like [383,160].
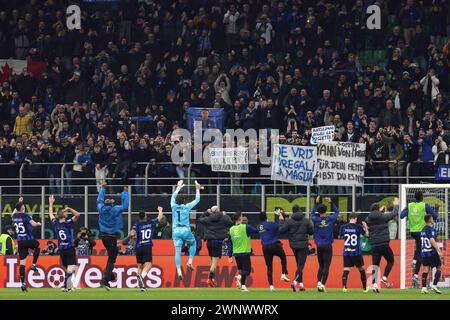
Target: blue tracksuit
[110,217]
[268,232]
[323,226]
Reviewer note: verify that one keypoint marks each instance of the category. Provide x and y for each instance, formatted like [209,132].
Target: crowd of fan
[290,65]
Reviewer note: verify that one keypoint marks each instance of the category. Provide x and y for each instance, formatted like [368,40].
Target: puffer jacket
[298,229]
[378,224]
[216,225]
[110,217]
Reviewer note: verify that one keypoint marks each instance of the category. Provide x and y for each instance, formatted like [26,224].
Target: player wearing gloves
[180,223]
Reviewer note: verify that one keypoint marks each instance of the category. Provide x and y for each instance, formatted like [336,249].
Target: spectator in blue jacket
[323,236]
[110,223]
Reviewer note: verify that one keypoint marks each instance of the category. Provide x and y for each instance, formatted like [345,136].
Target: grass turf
[217,294]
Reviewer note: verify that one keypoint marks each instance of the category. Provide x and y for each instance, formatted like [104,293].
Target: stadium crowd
[114,90]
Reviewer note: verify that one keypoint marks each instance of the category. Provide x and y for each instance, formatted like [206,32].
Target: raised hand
[198,186]
[396,201]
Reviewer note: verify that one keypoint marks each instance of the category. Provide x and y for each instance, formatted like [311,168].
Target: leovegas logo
[87,275]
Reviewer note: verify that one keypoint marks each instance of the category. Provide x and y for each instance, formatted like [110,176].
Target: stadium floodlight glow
[433,194]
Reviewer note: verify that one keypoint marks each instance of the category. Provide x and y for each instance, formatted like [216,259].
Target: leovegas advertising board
[163,274]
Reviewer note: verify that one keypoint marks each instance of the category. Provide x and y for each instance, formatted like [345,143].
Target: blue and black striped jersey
[64,233]
[426,235]
[351,234]
[22,225]
[144,232]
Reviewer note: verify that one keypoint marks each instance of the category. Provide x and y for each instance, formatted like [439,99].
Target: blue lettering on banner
[294,164]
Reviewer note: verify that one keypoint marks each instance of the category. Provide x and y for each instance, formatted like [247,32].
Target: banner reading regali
[294,164]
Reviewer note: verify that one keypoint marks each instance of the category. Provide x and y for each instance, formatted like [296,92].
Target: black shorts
[432,261]
[68,257]
[214,248]
[25,245]
[144,254]
[353,261]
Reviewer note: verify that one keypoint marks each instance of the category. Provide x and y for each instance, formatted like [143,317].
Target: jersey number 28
[350,240]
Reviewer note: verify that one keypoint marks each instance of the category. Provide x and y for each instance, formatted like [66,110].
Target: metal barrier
[251,204]
[236,181]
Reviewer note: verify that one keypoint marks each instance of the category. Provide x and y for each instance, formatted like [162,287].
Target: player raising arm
[216,225]
[415,213]
[431,254]
[272,247]
[378,225]
[143,230]
[64,232]
[323,237]
[23,223]
[110,224]
[181,227]
[299,229]
[351,233]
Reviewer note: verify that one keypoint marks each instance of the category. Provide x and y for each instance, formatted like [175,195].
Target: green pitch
[217,294]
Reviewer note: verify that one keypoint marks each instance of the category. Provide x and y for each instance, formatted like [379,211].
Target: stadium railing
[17,177]
[251,199]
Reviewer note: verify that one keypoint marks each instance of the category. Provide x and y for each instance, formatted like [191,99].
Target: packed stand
[114,91]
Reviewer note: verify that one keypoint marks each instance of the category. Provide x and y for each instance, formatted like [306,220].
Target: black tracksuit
[379,240]
[299,229]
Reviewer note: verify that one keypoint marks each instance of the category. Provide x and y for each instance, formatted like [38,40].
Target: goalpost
[433,194]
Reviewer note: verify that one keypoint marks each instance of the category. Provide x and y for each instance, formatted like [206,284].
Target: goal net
[433,194]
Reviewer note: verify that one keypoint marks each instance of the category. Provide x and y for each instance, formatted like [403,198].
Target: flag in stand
[10,66]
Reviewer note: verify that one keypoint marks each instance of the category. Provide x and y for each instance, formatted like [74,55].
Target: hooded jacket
[378,226]
[216,225]
[110,217]
[298,229]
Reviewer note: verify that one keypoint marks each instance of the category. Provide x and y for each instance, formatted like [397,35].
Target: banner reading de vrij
[294,164]
[341,163]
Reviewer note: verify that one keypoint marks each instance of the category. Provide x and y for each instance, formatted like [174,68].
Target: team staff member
[299,229]
[379,238]
[415,213]
[216,226]
[323,237]
[110,222]
[7,246]
[64,232]
[272,247]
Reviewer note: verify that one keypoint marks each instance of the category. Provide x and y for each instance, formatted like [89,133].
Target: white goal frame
[402,222]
